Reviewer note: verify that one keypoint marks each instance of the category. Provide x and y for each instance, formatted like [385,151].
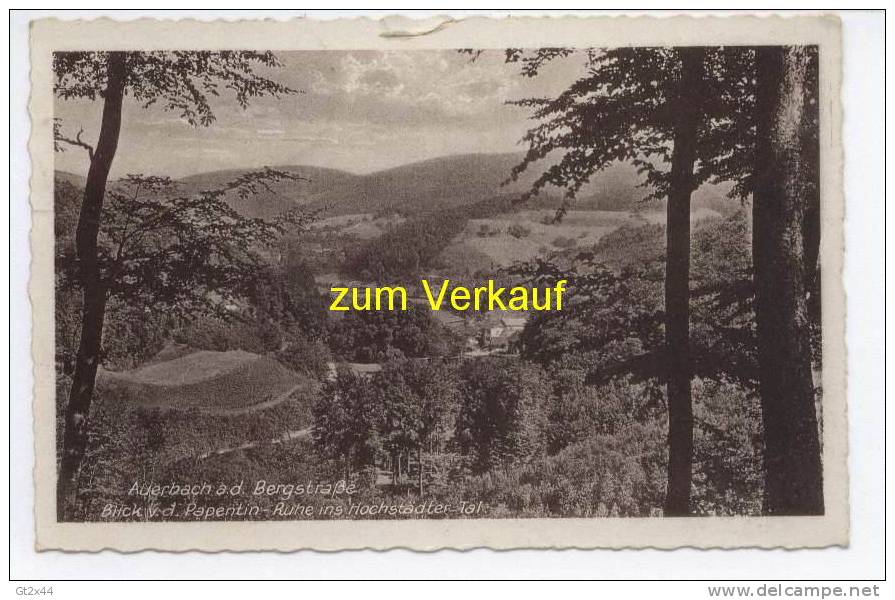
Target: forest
[415,245]
[680,379]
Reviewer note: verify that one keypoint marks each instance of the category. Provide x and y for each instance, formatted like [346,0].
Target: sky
[360,111]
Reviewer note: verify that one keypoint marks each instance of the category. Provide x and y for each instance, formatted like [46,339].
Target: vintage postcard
[456,283]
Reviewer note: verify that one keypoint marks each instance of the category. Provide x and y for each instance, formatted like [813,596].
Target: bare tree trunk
[811,221]
[781,203]
[419,459]
[94,294]
[677,285]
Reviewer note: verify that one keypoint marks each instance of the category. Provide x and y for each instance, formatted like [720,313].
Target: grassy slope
[205,380]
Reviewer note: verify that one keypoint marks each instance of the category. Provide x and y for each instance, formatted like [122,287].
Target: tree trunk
[677,285]
[419,460]
[792,461]
[94,294]
[811,221]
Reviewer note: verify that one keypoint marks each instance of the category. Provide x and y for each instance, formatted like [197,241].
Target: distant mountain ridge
[444,182]
[431,184]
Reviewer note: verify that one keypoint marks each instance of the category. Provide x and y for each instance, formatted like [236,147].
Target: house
[501,332]
[362,369]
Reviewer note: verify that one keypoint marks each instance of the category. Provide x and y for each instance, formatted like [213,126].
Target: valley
[247,390]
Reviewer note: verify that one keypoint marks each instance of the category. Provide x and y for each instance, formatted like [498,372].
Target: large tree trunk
[419,460]
[94,294]
[811,161]
[793,473]
[677,285]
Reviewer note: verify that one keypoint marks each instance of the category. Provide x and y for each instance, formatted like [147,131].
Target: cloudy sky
[358,111]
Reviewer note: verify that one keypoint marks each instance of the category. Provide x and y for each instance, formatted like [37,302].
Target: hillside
[438,183]
[205,380]
[418,187]
[317,182]
[461,180]
[428,185]
[76,180]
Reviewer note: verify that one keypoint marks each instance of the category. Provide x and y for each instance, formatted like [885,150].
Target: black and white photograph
[305,285]
[251,246]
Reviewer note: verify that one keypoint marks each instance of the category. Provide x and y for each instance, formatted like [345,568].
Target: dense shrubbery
[403,409]
[406,249]
[614,337]
[411,247]
[373,336]
[500,420]
[727,449]
[304,354]
[131,443]
[577,412]
[287,295]
[617,475]
[519,231]
[235,333]
[347,416]
[565,242]
[575,426]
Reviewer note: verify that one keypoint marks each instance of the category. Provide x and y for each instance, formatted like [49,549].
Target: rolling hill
[452,181]
[418,187]
[317,183]
[444,182]
[204,380]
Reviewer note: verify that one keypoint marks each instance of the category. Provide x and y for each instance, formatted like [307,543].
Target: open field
[696,214]
[363,226]
[209,381]
[506,238]
[511,237]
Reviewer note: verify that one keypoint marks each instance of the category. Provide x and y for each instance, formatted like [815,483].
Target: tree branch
[75,142]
